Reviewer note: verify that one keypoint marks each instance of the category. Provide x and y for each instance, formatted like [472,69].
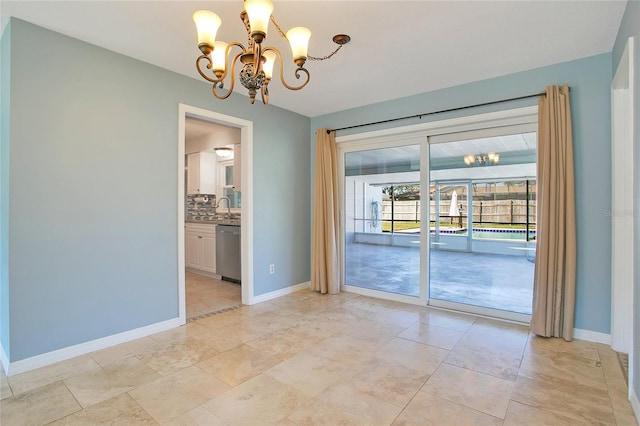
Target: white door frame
[622,199]
[246,152]
[381,143]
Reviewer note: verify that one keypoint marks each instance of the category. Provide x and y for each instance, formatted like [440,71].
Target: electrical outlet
[272,268]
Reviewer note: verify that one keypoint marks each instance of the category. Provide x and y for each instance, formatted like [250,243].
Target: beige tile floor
[205,295]
[307,359]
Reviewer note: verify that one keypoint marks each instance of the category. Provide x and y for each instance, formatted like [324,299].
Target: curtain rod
[439,112]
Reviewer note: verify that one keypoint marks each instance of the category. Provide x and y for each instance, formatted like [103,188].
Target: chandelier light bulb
[259,12]
[299,40]
[469,159]
[267,65]
[488,159]
[207,24]
[219,58]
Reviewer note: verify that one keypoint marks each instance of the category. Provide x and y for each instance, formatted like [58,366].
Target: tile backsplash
[200,210]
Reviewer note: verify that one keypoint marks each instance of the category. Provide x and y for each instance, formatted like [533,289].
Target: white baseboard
[279,293]
[4,359]
[635,404]
[592,336]
[205,273]
[63,354]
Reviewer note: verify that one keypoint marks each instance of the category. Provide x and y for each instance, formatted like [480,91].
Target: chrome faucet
[228,206]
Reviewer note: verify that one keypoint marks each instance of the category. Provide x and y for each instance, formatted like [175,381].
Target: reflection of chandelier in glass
[257,61]
[489,159]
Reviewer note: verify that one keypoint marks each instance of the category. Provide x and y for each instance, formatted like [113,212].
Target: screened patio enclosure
[479,239]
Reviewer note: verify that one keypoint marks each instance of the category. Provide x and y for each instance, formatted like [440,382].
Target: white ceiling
[398,48]
[195,129]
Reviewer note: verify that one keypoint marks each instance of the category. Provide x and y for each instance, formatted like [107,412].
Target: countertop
[215,221]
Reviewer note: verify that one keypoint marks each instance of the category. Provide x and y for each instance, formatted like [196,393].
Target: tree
[406,192]
[516,183]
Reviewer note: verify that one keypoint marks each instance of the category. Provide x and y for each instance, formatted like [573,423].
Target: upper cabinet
[201,173]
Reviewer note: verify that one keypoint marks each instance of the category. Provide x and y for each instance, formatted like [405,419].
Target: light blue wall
[5,97]
[630,27]
[281,201]
[93,184]
[590,79]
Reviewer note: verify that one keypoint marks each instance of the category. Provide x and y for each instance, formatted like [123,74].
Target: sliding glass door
[383,220]
[446,219]
[482,250]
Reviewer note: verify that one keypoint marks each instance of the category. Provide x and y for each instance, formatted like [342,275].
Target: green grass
[400,226]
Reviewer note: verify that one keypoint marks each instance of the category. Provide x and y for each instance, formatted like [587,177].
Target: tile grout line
[209,314]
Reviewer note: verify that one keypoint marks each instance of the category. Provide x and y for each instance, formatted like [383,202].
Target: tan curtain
[325,267]
[555,270]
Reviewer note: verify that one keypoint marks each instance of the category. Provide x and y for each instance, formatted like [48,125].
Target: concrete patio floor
[489,280]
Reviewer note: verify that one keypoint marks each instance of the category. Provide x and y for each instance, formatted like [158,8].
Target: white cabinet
[200,247]
[201,173]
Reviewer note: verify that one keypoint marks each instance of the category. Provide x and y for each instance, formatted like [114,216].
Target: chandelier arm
[215,92]
[243,50]
[226,65]
[206,77]
[220,84]
[297,72]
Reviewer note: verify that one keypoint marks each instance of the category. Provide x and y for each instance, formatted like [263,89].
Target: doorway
[624,222]
[246,152]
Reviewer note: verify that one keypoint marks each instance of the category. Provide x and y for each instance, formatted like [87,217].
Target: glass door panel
[482,250]
[382,220]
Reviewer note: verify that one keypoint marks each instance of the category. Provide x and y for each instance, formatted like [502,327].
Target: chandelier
[489,159]
[257,61]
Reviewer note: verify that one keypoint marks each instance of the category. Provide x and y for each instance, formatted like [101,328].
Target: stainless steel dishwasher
[228,252]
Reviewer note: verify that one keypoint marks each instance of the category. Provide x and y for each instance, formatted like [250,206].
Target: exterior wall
[92,219]
[358,198]
[590,80]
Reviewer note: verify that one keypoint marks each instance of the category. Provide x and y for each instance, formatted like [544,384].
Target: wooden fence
[499,211]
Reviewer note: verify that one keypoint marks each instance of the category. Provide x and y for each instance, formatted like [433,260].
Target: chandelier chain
[313,58]
[309,57]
